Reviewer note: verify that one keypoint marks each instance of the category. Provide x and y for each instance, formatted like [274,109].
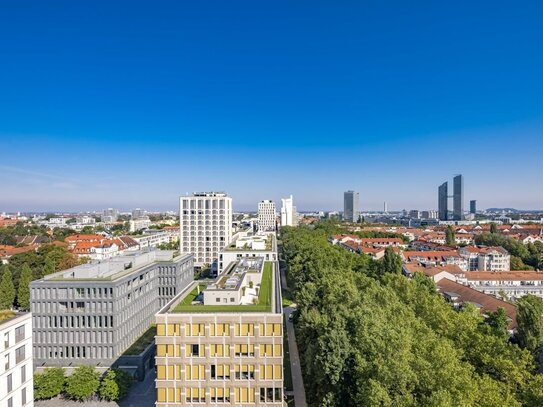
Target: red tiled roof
[485,301]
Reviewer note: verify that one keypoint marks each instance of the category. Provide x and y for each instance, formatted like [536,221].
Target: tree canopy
[370,337]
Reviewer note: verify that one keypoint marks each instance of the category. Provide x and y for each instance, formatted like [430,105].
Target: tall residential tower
[205,220]
[266,216]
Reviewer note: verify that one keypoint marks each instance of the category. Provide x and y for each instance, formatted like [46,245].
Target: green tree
[530,322]
[493,228]
[497,321]
[23,293]
[391,263]
[449,236]
[7,291]
[49,266]
[49,383]
[115,385]
[83,383]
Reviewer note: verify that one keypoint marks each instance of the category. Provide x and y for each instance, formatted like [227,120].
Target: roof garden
[263,304]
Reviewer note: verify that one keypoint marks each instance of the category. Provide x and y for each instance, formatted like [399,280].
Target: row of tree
[370,336]
[83,384]
[23,268]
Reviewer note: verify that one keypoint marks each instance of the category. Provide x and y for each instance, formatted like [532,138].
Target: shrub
[49,383]
[83,383]
[115,385]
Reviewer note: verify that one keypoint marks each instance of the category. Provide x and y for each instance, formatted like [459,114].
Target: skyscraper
[266,216]
[458,197]
[287,211]
[442,201]
[385,207]
[473,206]
[351,204]
[205,225]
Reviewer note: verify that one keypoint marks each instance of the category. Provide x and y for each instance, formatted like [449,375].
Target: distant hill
[512,210]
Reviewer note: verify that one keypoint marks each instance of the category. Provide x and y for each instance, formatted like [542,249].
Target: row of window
[219,350]
[20,356]
[95,321]
[10,402]
[19,336]
[222,329]
[220,372]
[205,203]
[73,352]
[219,395]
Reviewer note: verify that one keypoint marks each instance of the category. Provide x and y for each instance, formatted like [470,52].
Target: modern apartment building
[16,383]
[486,258]
[223,344]
[351,206]
[92,313]
[205,225]
[267,216]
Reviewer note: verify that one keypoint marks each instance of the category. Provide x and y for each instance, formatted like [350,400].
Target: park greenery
[28,266]
[83,384]
[370,336]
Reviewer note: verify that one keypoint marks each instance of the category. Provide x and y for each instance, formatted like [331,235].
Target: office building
[93,312]
[458,197]
[443,202]
[267,216]
[385,207]
[473,206]
[287,212]
[414,214]
[138,224]
[351,206]
[216,346]
[138,213]
[205,225]
[429,214]
[110,215]
[16,380]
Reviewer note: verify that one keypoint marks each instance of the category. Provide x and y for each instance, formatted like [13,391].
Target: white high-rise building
[205,220]
[16,382]
[287,212]
[266,216]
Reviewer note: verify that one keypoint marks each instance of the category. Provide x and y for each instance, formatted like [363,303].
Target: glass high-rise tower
[351,204]
[458,197]
[442,201]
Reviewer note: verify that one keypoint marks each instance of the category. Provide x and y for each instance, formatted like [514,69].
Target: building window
[19,354]
[23,396]
[19,333]
[23,374]
[9,382]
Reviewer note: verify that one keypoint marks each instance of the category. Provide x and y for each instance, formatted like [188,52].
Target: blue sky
[131,104]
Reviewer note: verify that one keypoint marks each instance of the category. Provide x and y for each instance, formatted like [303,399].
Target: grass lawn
[6,314]
[264,298]
[142,342]
[193,294]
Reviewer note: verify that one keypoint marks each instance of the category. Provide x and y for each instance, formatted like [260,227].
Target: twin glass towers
[457,196]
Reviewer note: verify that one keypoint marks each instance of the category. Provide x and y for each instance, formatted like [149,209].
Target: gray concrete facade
[92,313]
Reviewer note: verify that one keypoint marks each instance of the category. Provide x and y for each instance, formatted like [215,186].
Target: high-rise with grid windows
[205,220]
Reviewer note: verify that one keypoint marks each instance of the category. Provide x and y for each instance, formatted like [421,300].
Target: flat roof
[184,301]
[115,267]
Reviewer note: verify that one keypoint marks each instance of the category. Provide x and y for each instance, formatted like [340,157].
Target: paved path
[142,394]
[296,369]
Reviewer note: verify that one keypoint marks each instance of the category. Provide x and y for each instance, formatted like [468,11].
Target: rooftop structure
[246,245]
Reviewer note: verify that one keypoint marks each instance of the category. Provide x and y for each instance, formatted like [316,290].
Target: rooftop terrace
[189,301]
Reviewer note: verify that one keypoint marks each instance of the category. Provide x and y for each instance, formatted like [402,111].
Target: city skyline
[155,102]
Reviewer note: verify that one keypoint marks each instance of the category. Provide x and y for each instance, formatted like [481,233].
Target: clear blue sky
[134,103]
